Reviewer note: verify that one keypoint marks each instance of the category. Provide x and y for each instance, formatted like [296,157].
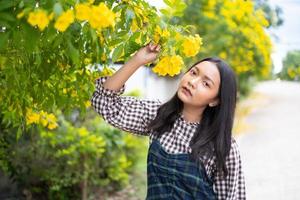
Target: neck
[192,114]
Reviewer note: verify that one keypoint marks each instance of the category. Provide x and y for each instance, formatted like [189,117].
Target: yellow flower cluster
[242,69]
[47,120]
[158,33]
[261,17]
[64,20]
[169,65]
[106,72]
[83,11]
[38,18]
[240,11]
[191,45]
[99,16]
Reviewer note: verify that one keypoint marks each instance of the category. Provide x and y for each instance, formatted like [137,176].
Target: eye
[205,83]
[193,72]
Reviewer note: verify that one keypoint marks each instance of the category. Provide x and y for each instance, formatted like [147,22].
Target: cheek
[204,95]
[182,82]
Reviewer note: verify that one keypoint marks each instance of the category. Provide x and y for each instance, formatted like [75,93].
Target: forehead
[210,70]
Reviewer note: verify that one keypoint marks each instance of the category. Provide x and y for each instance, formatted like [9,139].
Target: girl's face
[199,87]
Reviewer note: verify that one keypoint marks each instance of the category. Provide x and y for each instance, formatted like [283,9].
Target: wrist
[137,61]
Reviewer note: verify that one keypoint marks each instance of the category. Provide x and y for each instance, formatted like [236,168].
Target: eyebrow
[205,76]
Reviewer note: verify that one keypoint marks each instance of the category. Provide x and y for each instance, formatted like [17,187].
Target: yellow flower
[241,69]
[39,18]
[223,55]
[87,104]
[51,117]
[157,34]
[50,17]
[51,121]
[52,126]
[101,38]
[87,61]
[83,11]
[43,118]
[134,26]
[165,33]
[83,132]
[139,39]
[103,57]
[74,93]
[20,15]
[178,36]
[106,72]
[191,45]
[32,117]
[64,20]
[102,16]
[169,65]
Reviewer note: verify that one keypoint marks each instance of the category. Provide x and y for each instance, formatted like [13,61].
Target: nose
[192,82]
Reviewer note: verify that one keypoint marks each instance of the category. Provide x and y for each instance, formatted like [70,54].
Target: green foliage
[175,8]
[291,66]
[234,31]
[79,152]
[272,14]
[50,53]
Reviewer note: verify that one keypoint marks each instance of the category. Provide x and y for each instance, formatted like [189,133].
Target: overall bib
[175,176]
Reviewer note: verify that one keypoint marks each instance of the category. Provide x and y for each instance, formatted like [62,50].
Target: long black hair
[214,132]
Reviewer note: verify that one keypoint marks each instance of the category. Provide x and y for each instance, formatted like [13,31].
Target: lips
[186,91]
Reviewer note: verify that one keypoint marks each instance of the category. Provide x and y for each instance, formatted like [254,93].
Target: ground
[270,147]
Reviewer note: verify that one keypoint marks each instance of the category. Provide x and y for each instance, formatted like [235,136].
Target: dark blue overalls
[175,176]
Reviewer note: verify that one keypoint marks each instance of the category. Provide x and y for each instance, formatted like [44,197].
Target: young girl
[192,154]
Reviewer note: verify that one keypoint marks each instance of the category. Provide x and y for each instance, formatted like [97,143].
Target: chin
[182,97]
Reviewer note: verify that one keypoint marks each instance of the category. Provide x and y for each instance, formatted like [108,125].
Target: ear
[214,103]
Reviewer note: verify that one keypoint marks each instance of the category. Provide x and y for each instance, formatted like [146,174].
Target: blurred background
[54,146]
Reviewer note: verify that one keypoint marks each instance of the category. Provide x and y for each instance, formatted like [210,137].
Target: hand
[146,54]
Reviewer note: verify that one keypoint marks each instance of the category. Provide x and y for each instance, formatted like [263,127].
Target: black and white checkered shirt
[133,115]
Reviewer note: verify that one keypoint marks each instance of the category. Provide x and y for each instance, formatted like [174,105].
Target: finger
[157,48]
[149,45]
[152,47]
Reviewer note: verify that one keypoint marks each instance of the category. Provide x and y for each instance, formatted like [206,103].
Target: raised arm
[124,112]
[143,56]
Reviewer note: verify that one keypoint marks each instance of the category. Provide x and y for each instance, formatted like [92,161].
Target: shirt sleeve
[124,112]
[233,186]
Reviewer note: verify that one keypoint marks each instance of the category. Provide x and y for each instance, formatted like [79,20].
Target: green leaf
[73,53]
[166,12]
[19,133]
[167,2]
[31,36]
[94,35]
[3,40]
[116,41]
[58,40]
[117,52]
[121,34]
[4,4]
[130,48]
[5,24]
[134,36]
[7,17]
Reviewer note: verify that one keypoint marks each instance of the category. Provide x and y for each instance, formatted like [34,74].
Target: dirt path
[270,148]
